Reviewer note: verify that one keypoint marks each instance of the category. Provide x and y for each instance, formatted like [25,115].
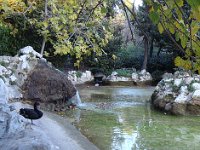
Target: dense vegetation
[106,34]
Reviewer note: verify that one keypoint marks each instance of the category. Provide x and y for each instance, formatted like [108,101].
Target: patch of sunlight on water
[119,118]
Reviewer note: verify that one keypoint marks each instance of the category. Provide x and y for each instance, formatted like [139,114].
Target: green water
[120,118]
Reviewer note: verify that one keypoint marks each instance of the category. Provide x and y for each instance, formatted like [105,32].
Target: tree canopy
[181,21]
[72,27]
[81,28]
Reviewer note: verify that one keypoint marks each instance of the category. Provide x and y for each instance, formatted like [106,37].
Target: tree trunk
[45,17]
[128,20]
[151,47]
[159,50]
[43,46]
[146,49]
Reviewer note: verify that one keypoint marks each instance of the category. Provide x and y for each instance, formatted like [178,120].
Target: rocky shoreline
[178,93]
[27,76]
[51,132]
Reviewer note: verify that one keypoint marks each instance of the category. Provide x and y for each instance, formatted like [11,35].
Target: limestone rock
[10,121]
[196,95]
[14,133]
[28,50]
[177,82]
[3,93]
[178,94]
[196,86]
[78,77]
[137,78]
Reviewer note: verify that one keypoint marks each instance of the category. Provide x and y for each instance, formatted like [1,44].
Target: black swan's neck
[35,108]
[38,111]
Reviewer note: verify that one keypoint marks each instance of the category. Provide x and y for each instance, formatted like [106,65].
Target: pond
[120,118]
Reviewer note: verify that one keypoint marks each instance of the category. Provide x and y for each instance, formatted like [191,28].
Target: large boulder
[178,94]
[28,76]
[48,84]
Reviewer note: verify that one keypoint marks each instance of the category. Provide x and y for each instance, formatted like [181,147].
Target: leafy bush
[124,72]
[157,75]
[163,62]
[10,44]
[130,57]
[6,42]
[78,74]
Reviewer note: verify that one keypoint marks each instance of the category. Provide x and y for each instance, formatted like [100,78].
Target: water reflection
[123,141]
[124,137]
[129,123]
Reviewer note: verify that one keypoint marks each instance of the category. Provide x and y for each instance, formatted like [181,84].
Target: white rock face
[3,92]
[196,86]
[184,89]
[167,75]
[11,121]
[181,88]
[168,80]
[117,78]
[114,73]
[13,78]
[14,92]
[188,80]
[144,75]
[196,94]
[177,82]
[15,133]
[28,50]
[3,70]
[181,98]
[15,71]
[136,76]
[85,76]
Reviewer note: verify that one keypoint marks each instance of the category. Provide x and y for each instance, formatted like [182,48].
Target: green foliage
[157,75]
[129,57]
[124,72]
[95,70]
[175,88]
[6,42]
[78,74]
[180,19]
[3,63]
[68,27]
[163,62]
[74,29]
[191,88]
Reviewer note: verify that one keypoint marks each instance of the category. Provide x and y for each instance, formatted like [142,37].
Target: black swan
[31,113]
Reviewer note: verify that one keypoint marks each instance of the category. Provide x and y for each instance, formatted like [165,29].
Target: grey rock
[47,84]
[175,95]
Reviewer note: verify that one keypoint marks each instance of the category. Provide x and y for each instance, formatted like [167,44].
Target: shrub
[78,74]
[130,57]
[124,72]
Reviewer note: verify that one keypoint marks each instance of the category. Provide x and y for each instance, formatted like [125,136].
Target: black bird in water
[31,113]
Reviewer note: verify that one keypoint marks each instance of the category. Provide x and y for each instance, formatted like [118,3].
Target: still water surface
[120,118]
